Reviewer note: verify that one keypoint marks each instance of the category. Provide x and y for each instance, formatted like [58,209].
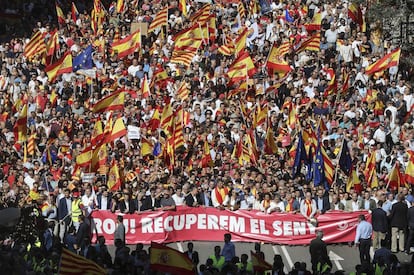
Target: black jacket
[147,204]
[410,217]
[132,206]
[108,201]
[398,215]
[325,204]
[379,220]
[318,251]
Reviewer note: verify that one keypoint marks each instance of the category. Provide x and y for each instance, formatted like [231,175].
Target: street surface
[343,257]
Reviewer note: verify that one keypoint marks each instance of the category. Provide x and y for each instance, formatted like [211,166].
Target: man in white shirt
[89,201]
[331,35]
[178,196]
[345,51]
[380,134]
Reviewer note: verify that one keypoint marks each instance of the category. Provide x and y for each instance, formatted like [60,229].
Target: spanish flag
[120,6]
[270,147]
[241,68]
[97,132]
[127,45]
[182,6]
[146,147]
[370,171]
[355,13]
[409,170]
[111,102]
[60,15]
[114,180]
[275,61]
[118,130]
[85,157]
[353,181]
[20,127]
[71,263]
[63,65]
[396,178]
[240,41]
[167,119]
[389,60]
[206,160]
[169,260]
[74,13]
[315,23]
[259,264]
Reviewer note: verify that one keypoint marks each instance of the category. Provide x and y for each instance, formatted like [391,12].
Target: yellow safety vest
[379,270]
[218,263]
[76,210]
[248,267]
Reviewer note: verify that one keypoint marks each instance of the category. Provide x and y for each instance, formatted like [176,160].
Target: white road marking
[180,247]
[287,256]
[371,252]
[336,258]
[277,252]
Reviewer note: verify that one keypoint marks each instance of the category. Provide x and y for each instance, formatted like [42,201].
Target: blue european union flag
[345,161]
[83,60]
[300,156]
[157,149]
[318,168]
[289,18]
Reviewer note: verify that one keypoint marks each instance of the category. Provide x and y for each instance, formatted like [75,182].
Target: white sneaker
[412,249]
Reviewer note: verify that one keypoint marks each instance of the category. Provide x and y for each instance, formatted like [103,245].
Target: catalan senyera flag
[111,102]
[241,10]
[202,15]
[259,264]
[114,180]
[178,129]
[183,57]
[227,49]
[315,23]
[167,259]
[167,119]
[60,14]
[370,171]
[260,116]
[160,20]
[182,6]
[355,13]
[312,44]
[20,127]
[107,132]
[409,170]
[63,65]
[276,63]
[97,16]
[85,157]
[118,130]
[396,178]
[31,144]
[36,46]
[332,87]
[71,263]
[127,45]
[183,91]
[241,68]
[329,168]
[75,13]
[120,6]
[389,60]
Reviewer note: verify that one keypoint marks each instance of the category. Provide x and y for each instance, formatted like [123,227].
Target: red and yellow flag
[270,144]
[370,171]
[20,127]
[127,45]
[167,259]
[120,6]
[85,157]
[63,65]
[355,13]
[259,264]
[389,60]
[111,102]
[275,61]
[118,130]
[60,15]
[71,263]
[36,46]
[396,178]
[241,68]
[160,20]
[114,180]
[312,44]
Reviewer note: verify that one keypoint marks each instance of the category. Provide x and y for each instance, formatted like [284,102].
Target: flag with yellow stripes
[71,263]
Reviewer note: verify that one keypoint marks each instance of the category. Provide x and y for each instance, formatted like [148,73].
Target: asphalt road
[343,257]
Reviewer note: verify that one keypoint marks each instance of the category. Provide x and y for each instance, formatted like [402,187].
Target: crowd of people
[373,116]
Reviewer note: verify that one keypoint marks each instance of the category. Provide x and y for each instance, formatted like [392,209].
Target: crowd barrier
[210,224]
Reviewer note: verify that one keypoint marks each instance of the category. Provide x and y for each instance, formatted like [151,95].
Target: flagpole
[388,180]
[337,161]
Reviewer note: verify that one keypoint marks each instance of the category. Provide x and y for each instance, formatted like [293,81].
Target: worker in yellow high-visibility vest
[77,209]
[217,258]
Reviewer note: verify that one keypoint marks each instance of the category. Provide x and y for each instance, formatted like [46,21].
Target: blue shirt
[229,251]
[364,231]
